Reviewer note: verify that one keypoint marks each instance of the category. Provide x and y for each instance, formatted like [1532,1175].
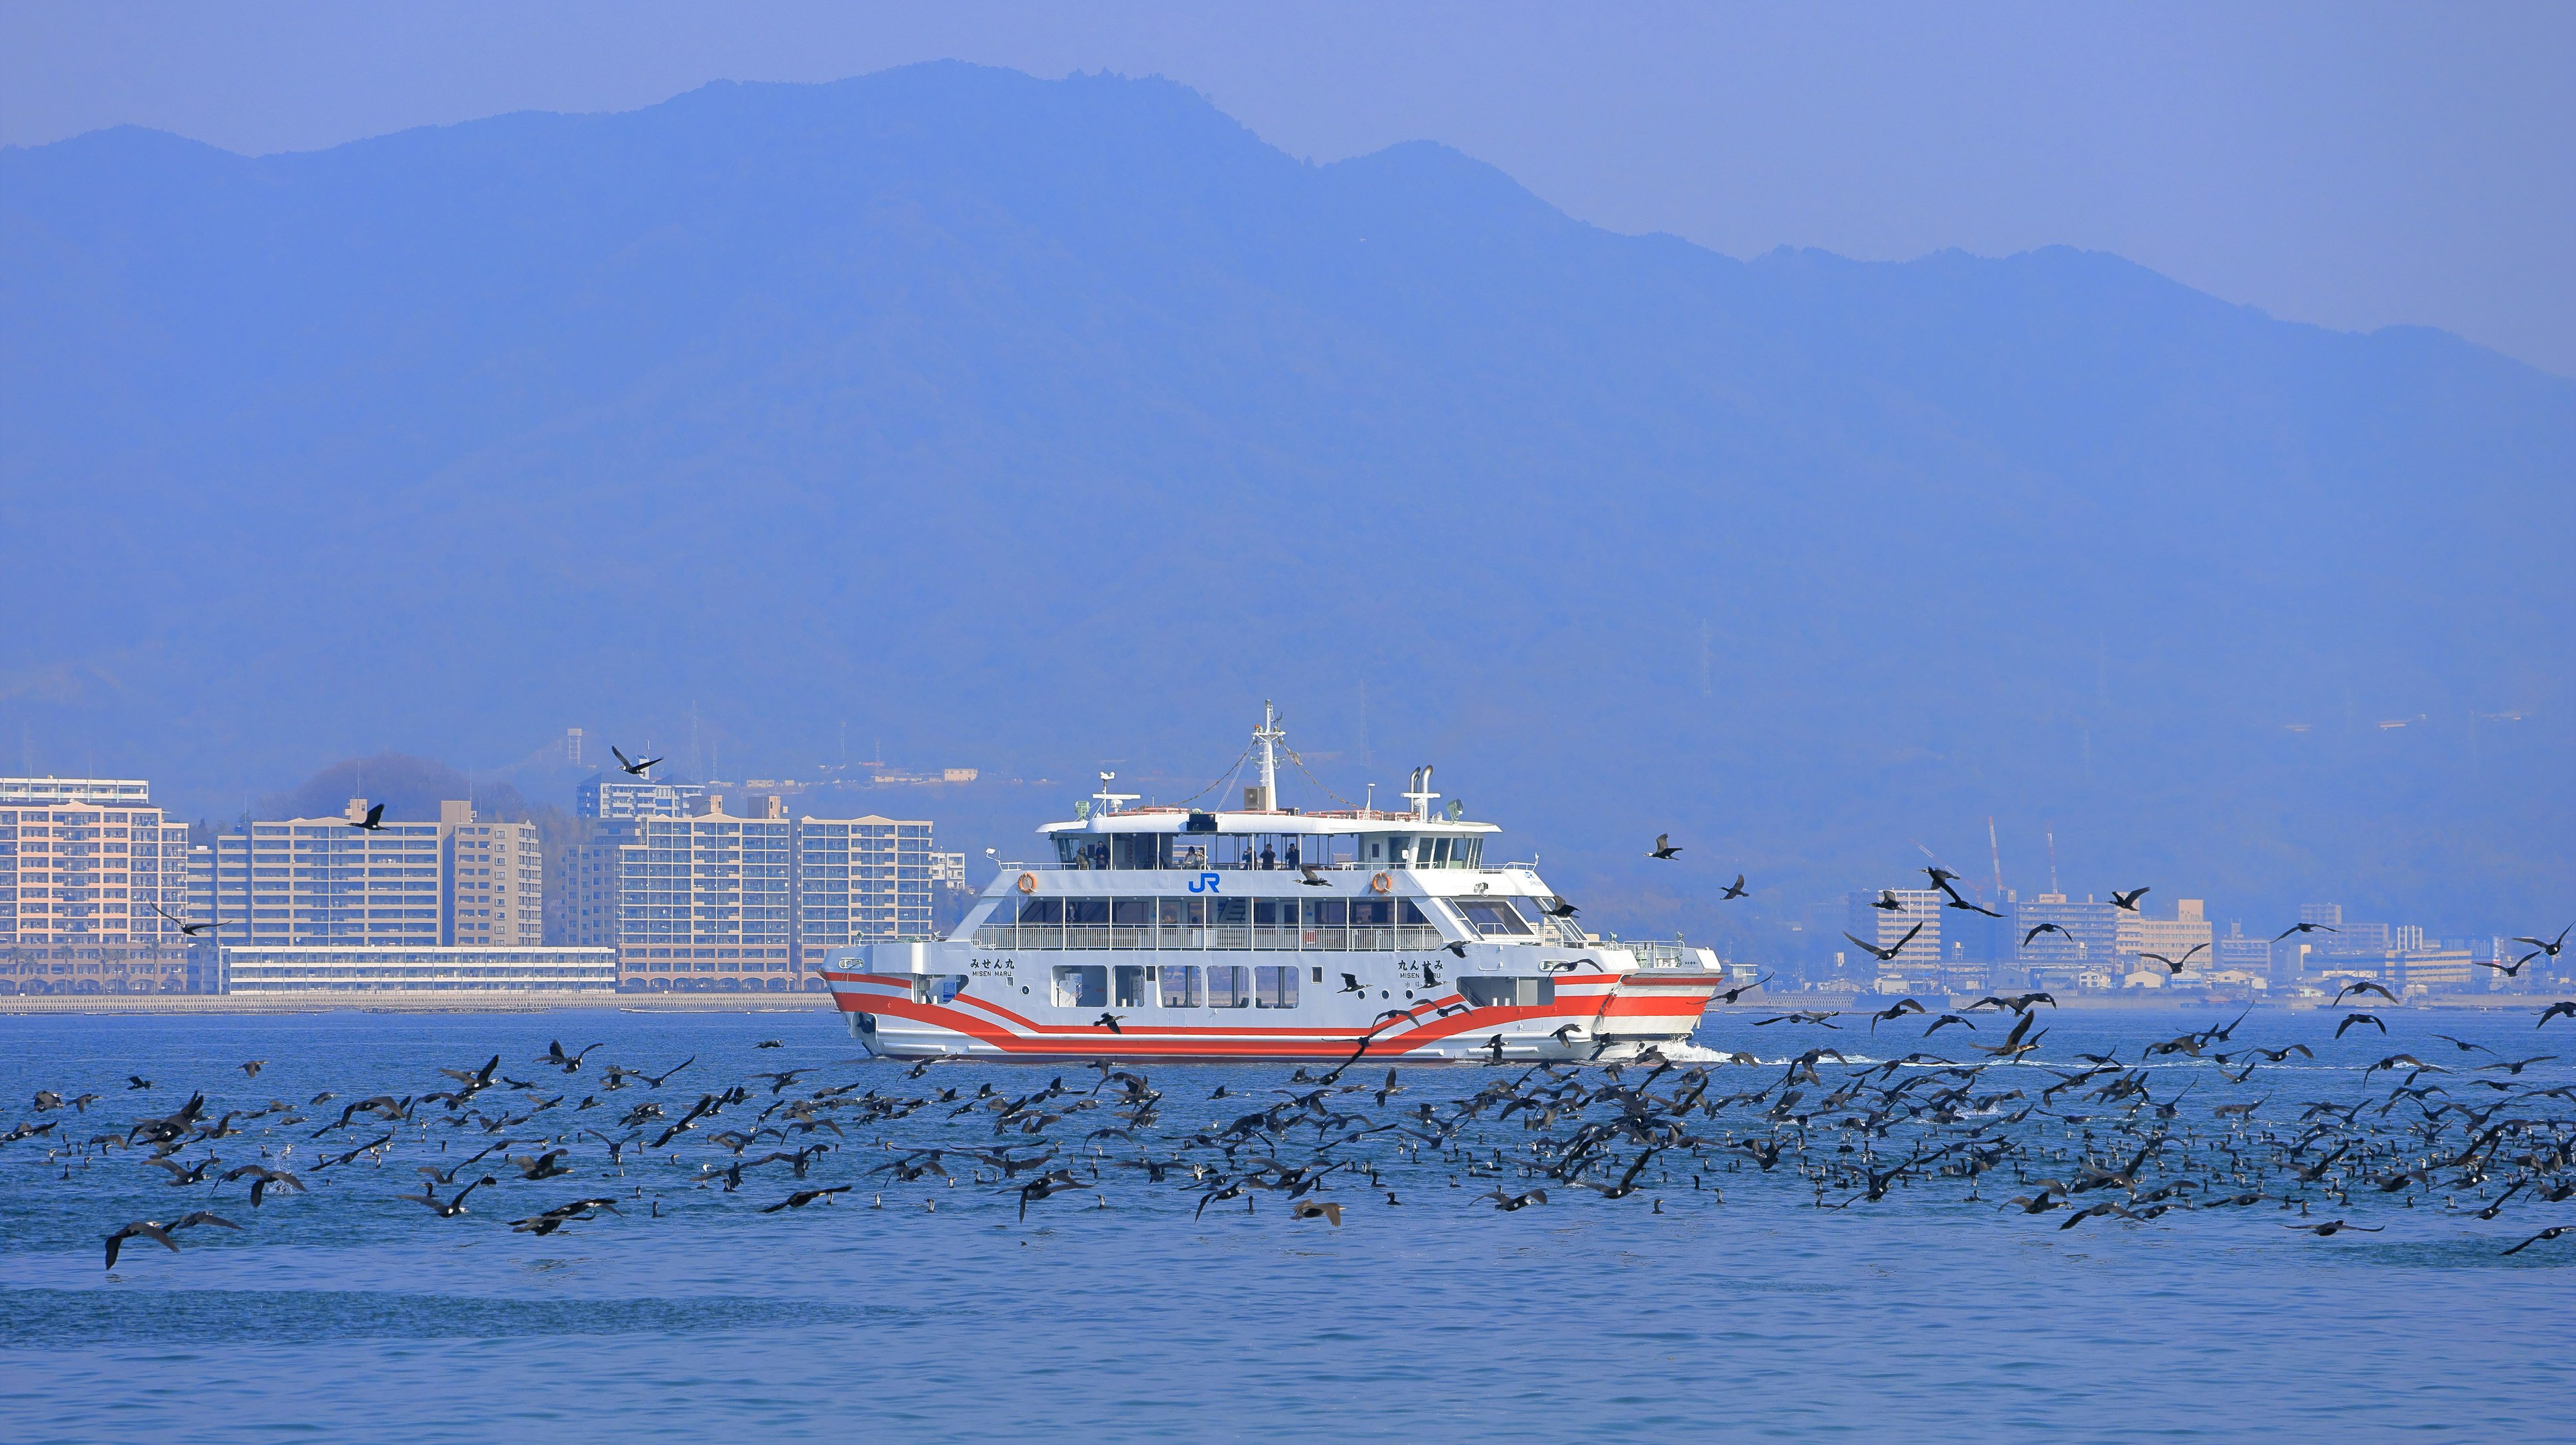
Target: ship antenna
[1109,801]
[1268,735]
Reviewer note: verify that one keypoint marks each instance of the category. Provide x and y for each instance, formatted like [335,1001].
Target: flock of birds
[2203,1121]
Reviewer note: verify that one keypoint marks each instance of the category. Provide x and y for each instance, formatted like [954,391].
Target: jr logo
[1205,883]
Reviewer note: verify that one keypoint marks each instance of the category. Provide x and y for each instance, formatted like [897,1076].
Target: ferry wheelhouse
[1270,933]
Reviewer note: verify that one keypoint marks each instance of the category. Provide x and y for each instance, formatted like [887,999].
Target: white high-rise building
[314,881]
[491,882]
[861,880]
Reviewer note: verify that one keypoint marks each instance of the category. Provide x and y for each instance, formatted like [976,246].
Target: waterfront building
[2141,934]
[255,970]
[2444,969]
[862,880]
[309,882]
[706,901]
[2237,954]
[111,792]
[1919,963]
[88,869]
[2086,942]
[615,797]
[491,881]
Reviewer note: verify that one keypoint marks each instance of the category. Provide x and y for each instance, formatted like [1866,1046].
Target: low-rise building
[256,970]
[2445,969]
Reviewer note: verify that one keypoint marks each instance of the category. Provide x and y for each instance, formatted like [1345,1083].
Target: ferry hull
[1595,1016]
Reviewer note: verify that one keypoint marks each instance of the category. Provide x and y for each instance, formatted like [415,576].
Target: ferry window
[1274,987]
[1493,917]
[1190,857]
[1475,851]
[1229,985]
[1128,985]
[1408,915]
[1182,918]
[1180,983]
[1131,923]
[1320,925]
[1439,852]
[1231,921]
[1081,985]
[1042,912]
[1140,850]
[1093,911]
[1508,992]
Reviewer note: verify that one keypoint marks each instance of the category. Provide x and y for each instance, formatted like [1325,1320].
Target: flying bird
[1887,901]
[373,822]
[1888,955]
[1664,848]
[2304,928]
[629,766]
[2350,1019]
[2039,928]
[2175,964]
[2128,900]
[1314,877]
[2553,945]
[1734,889]
[2364,985]
[2564,1008]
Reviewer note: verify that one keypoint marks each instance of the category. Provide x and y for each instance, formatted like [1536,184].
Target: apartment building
[2188,930]
[310,882]
[707,901]
[2086,937]
[492,882]
[88,870]
[862,880]
[581,883]
[616,797]
[1918,914]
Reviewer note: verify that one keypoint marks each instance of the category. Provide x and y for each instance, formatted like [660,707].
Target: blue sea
[1728,1305]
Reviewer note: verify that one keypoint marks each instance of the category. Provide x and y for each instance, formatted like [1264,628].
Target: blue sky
[2354,165]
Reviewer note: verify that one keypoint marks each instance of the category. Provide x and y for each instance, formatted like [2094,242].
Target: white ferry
[1270,933]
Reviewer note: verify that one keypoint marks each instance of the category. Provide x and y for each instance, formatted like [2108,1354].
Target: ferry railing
[1662,955]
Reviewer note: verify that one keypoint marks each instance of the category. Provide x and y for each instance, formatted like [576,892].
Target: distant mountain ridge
[1035,423]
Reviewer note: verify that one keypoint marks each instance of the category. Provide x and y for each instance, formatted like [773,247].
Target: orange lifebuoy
[1028,883]
[1381,884]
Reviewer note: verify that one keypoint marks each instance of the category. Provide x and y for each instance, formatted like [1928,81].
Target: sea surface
[1738,1308]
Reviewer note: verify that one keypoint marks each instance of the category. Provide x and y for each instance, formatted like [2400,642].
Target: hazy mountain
[1026,425]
